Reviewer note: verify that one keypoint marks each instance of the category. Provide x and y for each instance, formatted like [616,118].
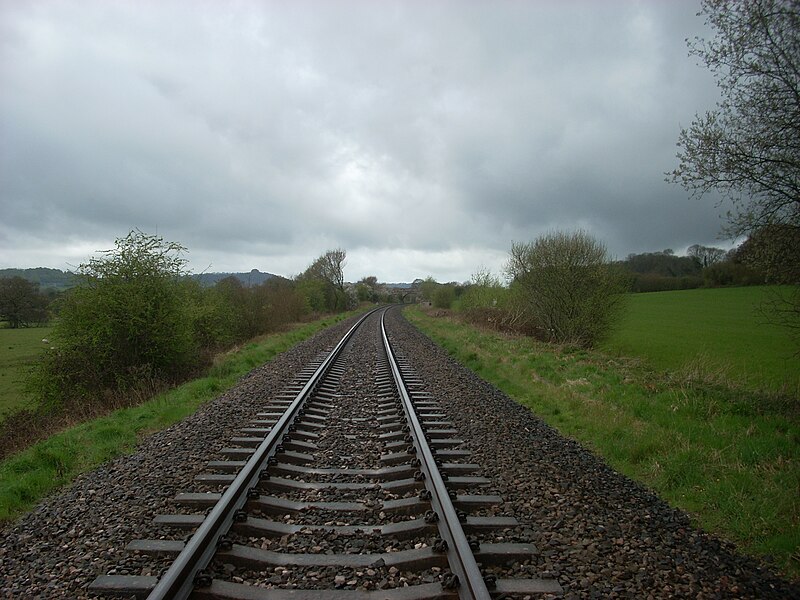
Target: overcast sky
[421,137]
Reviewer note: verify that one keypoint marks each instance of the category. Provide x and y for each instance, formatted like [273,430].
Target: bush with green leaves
[130,321]
[571,292]
[444,295]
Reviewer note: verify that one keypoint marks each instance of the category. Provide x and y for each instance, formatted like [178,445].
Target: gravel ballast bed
[600,534]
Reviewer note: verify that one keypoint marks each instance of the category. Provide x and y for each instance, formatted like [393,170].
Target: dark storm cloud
[421,137]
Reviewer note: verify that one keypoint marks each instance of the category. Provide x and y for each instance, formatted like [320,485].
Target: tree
[428,288]
[775,251]
[444,295]
[748,148]
[570,289]
[706,255]
[323,281]
[662,263]
[21,304]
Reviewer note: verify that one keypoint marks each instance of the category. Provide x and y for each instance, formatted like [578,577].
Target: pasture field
[724,453]
[719,333]
[18,349]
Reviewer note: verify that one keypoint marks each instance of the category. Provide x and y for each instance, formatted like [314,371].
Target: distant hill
[55,279]
[251,279]
[48,279]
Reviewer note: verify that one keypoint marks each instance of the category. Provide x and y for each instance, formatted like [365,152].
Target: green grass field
[726,454]
[18,349]
[719,332]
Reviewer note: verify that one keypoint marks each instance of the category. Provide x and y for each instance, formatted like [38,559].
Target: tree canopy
[748,148]
[323,281]
[21,304]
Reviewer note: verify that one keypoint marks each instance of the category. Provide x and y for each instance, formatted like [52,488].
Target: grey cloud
[427,134]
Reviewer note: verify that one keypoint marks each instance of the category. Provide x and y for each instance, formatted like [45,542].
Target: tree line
[702,266]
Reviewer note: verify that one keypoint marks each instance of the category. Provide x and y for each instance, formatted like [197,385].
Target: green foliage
[277,302]
[21,304]
[444,296]
[729,272]
[727,455]
[774,251]
[317,294]
[427,288]
[368,289]
[136,321]
[322,283]
[129,320]
[651,282]
[213,316]
[571,291]
[704,266]
[482,290]
[487,302]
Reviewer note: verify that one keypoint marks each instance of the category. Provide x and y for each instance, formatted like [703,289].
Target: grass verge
[728,456]
[27,477]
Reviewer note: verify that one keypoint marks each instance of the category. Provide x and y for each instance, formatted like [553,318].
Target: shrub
[443,296]
[570,290]
[129,321]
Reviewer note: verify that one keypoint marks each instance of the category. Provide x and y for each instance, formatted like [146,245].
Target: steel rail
[180,579]
[470,582]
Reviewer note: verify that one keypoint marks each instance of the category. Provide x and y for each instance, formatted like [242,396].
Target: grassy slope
[32,474]
[730,458]
[721,330]
[18,349]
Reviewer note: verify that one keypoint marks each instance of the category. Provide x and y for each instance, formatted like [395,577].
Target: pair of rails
[188,575]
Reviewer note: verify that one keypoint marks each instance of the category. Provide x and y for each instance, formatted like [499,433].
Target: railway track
[351,483]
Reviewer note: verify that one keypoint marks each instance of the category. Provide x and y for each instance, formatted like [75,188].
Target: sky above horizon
[422,138]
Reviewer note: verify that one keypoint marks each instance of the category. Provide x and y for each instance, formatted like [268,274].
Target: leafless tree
[748,148]
[706,255]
